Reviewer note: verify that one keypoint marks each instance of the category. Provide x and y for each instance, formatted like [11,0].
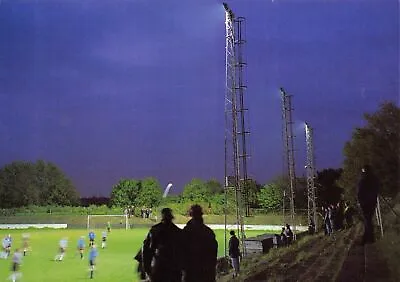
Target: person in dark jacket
[234,253]
[283,237]
[201,249]
[368,188]
[162,250]
[289,234]
[140,268]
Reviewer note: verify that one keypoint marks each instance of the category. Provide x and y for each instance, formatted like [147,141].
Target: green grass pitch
[115,263]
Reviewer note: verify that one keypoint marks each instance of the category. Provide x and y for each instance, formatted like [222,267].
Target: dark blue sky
[136,88]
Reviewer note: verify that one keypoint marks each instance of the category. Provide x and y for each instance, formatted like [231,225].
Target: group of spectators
[172,254]
[286,236]
[146,212]
[337,217]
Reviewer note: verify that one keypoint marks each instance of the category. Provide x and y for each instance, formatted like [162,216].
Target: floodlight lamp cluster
[228,10]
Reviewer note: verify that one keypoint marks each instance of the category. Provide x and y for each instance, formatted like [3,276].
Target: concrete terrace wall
[250,227]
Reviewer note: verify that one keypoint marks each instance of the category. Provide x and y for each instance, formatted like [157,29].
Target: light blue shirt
[81,243]
[92,254]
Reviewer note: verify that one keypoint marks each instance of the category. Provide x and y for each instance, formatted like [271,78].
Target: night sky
[111,89]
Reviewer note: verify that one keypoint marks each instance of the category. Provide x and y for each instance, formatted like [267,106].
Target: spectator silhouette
[348,215]
[289,234]
[140,268]
[234,253]
[162,250]
[283,237]
[201,249]
[311,226]
[327,221]
[368,188]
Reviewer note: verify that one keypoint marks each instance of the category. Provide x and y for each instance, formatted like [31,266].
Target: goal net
[96,221]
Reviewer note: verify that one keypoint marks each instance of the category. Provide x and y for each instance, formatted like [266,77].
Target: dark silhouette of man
[201,249]
[234,253]
[162,250]
[368,188]
[289,234]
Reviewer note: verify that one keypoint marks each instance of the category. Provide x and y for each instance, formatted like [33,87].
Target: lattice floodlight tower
[288,142]
[235,128]
[310,169]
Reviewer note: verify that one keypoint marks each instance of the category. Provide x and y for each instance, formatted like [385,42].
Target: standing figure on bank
[348,215]
[234,253]
[201,249]
[368,188]
[332,217]
[162,250]
[328,227]
[289,234]
[283,237]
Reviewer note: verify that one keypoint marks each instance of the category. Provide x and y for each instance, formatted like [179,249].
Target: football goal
[97,221]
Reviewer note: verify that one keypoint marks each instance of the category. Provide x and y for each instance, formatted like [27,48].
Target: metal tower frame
[240,24]
[235,129]
[288,142]
[310,169]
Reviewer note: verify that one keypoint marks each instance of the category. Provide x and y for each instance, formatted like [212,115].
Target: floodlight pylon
[310,170]
[236,177]
[288,142]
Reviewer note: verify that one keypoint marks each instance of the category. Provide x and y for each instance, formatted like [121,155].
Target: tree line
[38,183]
[376,143]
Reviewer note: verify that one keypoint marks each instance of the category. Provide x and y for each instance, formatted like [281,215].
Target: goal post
[92,223]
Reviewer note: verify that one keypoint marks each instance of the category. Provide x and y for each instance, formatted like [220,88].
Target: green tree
[196,191]
[40,183]
[376,144]
[125,193]
[58,189]
[17,185]
[271,195]
[253,188]
[150,193]
[328,191]
[214,186]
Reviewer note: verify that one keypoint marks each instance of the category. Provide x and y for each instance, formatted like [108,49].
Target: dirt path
[336,258]
[364,264]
